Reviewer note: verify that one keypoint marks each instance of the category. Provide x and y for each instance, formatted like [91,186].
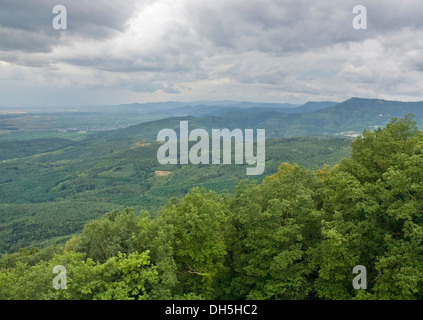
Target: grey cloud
[391,15]
[146,86]
[164,63]
[153,86]
[283,26]
[171,90]
[211,27]
[296,46]
[24,40]
[26,25]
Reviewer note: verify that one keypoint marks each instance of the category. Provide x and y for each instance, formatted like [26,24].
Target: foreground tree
[376,203]
[195,230]
[277,222]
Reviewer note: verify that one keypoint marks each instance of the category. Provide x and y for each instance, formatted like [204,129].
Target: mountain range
[315,119]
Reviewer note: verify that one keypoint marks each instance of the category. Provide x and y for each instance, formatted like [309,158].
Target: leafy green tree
[26,282]
[161,244]
[114,232]
[375,200]
[122,277]
[277,223]
[195,227]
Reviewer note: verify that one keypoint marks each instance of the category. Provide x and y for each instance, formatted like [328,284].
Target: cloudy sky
[187,50]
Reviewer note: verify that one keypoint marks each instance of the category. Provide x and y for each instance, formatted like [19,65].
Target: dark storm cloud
[280,26]
[26,25]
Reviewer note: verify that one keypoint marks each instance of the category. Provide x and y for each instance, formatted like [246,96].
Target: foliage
[297,234]
[57,186]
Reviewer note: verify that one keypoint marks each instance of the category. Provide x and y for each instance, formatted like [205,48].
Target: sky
[289,51]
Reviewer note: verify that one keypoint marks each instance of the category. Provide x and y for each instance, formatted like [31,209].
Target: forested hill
[49,188]
[296,235]
[348,118]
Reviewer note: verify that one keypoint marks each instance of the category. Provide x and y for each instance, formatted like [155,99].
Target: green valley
[49,188]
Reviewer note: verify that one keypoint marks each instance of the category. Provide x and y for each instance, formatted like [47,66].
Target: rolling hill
[50,188]
[348,118]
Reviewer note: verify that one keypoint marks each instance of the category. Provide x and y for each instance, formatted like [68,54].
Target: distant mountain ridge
[315,119]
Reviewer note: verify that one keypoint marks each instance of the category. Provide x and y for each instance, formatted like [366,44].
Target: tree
[195,228]
[114,232]
[122,277]
[375,200]
[277,223]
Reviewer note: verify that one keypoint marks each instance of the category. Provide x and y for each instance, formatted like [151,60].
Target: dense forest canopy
[298,234]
